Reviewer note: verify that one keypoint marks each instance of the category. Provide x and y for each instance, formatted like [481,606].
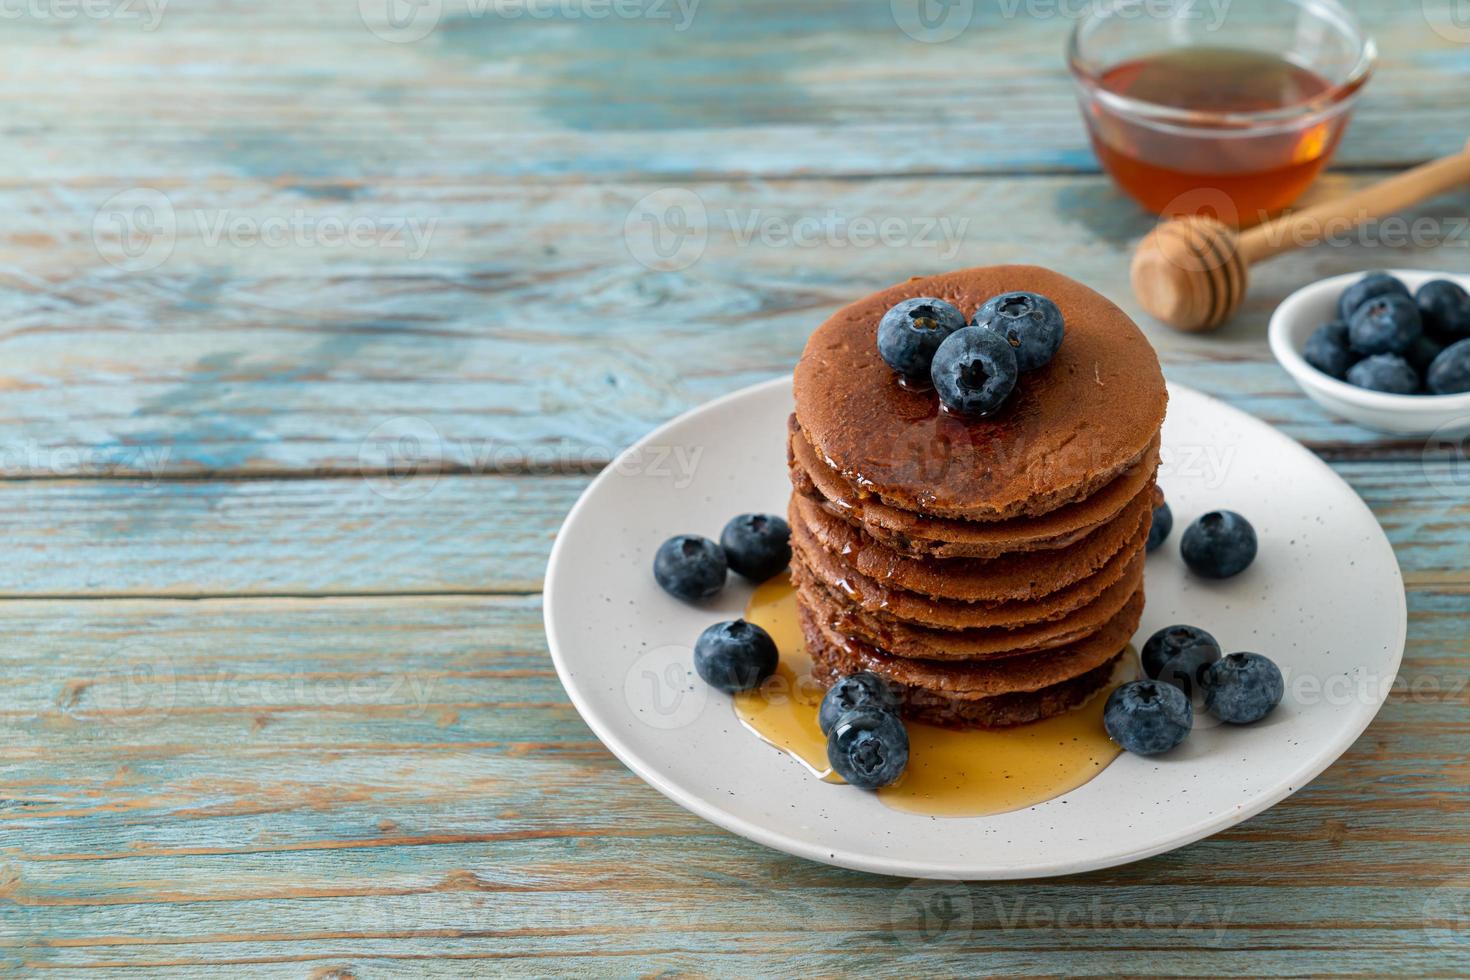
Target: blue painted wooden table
[315,323]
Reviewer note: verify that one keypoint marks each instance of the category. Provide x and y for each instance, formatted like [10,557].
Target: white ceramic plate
[1301,313]
[1324,599]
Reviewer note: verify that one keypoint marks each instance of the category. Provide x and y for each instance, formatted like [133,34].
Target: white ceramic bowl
[1419,415]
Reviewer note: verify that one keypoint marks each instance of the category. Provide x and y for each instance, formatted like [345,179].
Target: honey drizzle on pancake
[950,773]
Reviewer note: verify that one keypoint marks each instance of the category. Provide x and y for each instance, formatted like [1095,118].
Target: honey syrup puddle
[950,773]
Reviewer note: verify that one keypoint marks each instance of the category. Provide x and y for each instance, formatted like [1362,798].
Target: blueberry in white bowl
[1312,352]
[1444,308]
[1384,372]
[1387,324]
[1449,373]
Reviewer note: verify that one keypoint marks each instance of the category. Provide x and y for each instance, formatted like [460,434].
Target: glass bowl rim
[1334,99]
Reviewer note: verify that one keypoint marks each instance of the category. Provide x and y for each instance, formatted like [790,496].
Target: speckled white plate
[1324,599]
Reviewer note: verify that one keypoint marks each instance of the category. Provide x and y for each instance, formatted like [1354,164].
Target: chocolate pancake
[982,678]
[907,640]
[1023,576]
[1070,427]
[839,577]
[962,710]
[922,536]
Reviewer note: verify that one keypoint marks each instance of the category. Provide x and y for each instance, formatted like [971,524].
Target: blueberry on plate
[910,333]
[1450,372]
[1147,718]
[1219,544]
[1327,350]
[863,689]
[690,567]
[1385,372]
[757,546]
[1169,642]
[974,372]
[735,656]
[1371,285]
[1163,523]
[868,747]
[1423,353]
[1445,309]
[1029,322]
[1243,688]
[1387,324]
[1186,669]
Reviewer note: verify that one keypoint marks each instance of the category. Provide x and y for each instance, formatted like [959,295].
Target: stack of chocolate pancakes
[991,569]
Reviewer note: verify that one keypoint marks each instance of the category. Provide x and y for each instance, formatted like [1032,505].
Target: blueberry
[868,747]
[974,371]
[1327,350]
[863,689]
[1186,669]
[1445,309]
[1385,325]
[690,567]
[1146,717]
[1218,545]
[1450,372]
[1366,288]
[1243,688]
[910,333]
[757,546]
[1029,322]
[735,656]
[1163,523]
[1169,642]
[1423,353]
[1385,372]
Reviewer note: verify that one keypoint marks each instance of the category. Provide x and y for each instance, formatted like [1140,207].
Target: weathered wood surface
[279,703]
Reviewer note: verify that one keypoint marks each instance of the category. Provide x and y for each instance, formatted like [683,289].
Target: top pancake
[1068,429]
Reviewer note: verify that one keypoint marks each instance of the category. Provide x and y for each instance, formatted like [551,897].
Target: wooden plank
[462,534]
[245,358]
[759,88]
[281,805]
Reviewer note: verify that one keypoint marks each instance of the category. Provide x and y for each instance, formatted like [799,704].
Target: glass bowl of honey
[1224,109]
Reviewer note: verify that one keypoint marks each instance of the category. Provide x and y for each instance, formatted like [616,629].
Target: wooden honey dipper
[1191,272]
